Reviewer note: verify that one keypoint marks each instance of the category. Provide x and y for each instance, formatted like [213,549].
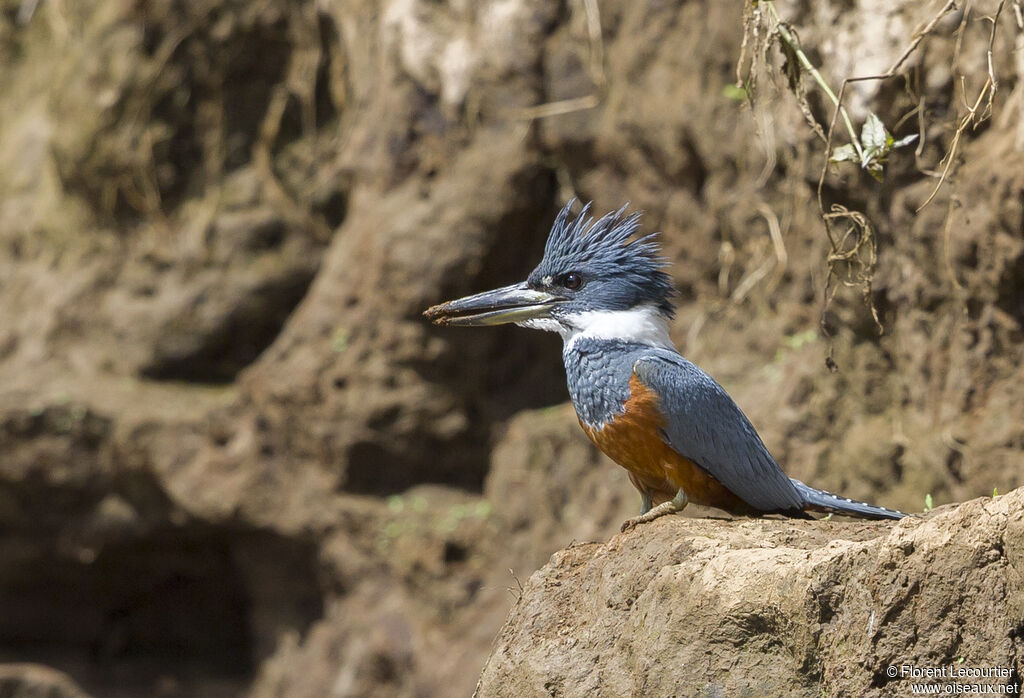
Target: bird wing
[703,424]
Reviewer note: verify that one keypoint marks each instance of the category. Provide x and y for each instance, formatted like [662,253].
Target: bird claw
[670,507]
[630,524]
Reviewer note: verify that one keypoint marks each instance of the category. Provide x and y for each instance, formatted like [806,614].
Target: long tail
[819,500]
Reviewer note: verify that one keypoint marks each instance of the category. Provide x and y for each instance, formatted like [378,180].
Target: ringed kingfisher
[667,422]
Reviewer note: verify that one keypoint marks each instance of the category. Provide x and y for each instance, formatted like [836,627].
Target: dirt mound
[229,444]
[773,608]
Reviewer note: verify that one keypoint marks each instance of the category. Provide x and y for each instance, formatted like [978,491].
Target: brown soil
[234,458]
[700,607]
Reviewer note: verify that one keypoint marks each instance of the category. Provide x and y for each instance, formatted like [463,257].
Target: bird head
[595,278]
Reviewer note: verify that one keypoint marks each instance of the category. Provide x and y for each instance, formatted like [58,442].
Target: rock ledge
[705,607]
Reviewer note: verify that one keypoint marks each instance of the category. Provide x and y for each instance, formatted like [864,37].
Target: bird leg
[646,502]
[672,506]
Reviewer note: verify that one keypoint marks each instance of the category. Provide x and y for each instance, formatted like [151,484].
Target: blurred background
[235,460]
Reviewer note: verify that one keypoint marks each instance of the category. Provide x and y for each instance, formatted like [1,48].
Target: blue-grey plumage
[620,272]
[674,428]
[705,425]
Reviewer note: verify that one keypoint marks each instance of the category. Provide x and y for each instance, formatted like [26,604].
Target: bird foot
[672,506]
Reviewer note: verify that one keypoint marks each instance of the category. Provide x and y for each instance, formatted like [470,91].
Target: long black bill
[514,303]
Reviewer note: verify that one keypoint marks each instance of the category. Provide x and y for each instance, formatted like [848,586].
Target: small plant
[871,149]
[875,145]
[339,340]
[928,506]
[852,241]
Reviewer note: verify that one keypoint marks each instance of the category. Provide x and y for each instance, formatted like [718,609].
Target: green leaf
[874,139]
[734,91]
[928,502]
[903,141]
[339,340]
[844,153]
[874,136]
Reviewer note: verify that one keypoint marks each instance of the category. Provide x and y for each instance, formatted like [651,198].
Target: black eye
[571,281]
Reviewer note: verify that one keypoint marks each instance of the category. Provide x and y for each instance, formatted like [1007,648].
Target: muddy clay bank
[706,607]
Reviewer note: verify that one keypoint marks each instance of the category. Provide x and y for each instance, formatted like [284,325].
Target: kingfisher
[681,437]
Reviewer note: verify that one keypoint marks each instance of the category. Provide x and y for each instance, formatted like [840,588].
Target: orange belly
[633,440]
